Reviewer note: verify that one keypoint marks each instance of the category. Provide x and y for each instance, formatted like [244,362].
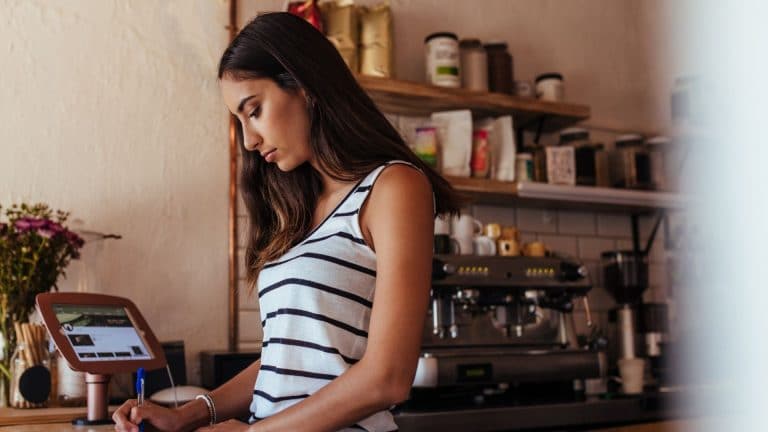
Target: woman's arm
[399,218]
[231,400]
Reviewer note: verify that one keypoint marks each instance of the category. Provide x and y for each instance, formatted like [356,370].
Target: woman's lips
[270,155]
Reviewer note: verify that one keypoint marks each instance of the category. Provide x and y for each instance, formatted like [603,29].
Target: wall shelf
[418,99]
[542,195]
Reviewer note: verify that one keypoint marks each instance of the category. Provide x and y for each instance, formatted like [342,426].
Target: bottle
[480,163]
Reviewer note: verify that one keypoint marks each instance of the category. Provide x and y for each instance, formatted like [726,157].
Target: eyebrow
[243,101]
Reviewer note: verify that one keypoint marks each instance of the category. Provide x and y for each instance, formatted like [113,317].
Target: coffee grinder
[625,276]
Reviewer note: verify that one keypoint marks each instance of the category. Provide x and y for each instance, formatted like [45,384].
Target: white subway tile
[572,222]
[590,248]
[504,215]
[614,225]
[538,220]
[562,244]
[527,237]
[250,326]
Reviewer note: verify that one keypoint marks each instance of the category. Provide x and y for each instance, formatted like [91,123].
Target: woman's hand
[227,426]
[129,415]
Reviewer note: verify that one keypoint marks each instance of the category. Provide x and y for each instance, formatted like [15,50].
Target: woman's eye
[256,111]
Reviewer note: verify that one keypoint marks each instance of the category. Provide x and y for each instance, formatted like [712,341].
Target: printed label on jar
[443,62]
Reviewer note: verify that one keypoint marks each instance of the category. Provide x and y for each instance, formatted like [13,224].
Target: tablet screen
[101,332]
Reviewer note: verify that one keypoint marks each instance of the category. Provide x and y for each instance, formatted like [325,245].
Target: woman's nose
[251,140]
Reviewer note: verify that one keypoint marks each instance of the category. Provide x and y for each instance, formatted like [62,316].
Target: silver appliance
[497,323]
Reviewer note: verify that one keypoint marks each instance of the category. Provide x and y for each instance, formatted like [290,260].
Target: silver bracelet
[211,407]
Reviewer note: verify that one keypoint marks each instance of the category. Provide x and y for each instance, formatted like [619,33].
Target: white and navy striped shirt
[315,304]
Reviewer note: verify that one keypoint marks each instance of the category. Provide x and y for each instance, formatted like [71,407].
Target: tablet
[100,334]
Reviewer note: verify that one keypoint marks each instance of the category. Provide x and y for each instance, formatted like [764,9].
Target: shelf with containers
[419,99]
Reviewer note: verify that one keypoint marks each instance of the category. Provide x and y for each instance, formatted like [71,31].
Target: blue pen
[140,392]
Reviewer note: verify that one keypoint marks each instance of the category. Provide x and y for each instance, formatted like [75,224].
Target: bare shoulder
[401,201]
[404,181]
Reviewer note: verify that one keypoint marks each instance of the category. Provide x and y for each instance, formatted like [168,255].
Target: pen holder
[30,384]
[30,379]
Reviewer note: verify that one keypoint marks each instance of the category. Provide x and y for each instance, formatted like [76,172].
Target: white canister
[442,57]
[549,87]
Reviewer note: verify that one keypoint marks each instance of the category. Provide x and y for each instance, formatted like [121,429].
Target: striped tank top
[315,304]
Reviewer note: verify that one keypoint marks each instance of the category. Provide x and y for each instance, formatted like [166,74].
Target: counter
[593,412]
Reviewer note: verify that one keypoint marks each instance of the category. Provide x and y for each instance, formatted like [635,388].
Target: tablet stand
[98,401]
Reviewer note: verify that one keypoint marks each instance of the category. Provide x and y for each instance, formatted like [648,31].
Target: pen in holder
[140,392]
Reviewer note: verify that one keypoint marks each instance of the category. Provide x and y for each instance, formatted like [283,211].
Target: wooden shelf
[542,195]
[417,99]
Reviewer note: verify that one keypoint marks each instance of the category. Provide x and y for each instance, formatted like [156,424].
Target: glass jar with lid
[590,159]
[658,148]
[630,163]
[500,69]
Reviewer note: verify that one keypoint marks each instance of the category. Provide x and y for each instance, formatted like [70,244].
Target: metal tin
[474,65]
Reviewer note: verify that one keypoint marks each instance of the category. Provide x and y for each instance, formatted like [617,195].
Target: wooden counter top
[42,418]
[56,427]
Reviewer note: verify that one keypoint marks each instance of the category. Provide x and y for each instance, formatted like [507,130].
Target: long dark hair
[348,134]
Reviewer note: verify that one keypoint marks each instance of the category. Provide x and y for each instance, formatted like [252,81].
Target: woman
[340,248]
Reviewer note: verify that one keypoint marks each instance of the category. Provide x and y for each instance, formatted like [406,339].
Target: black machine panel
[523,273]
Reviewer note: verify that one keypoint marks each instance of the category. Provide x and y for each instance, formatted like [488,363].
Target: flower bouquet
[35,249]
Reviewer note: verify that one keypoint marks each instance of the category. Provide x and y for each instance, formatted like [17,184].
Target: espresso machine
[501,329]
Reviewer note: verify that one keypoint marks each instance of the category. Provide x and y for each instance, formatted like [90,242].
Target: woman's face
[275,121]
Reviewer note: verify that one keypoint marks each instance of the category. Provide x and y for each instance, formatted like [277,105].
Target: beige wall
[111,109]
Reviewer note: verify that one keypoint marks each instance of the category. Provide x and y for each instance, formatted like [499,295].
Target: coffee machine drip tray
[445,367]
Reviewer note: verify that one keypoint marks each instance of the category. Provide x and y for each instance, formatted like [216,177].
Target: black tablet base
[82,421]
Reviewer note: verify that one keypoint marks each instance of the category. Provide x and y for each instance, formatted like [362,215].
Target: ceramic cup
[508,247]
[464,228]
[510,233]
[535,249]
[444,244]
[483,245]
[492,230]
[631,371]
